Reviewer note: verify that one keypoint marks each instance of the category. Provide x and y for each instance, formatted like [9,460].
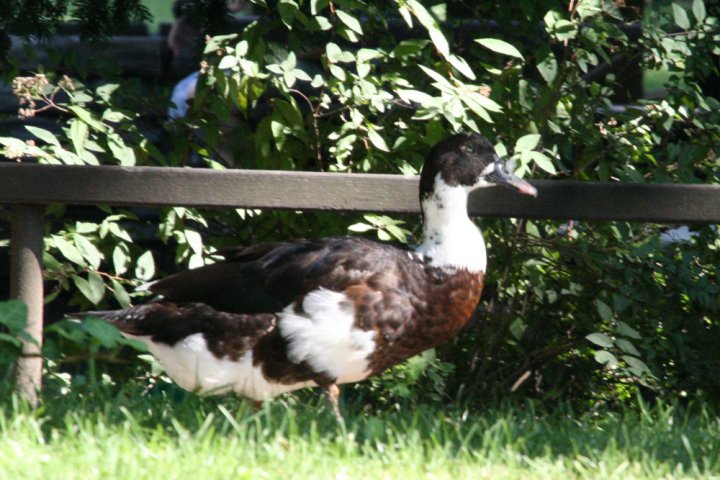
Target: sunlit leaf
[600,339]
[349,21]
[698,9]
[69,251]
[606,358]
[44,135]
[377,140]
[145,266]
[93,288]
[527,142]
[500,46]
[680,16]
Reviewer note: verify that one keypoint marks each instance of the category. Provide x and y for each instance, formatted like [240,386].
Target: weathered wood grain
[151,186]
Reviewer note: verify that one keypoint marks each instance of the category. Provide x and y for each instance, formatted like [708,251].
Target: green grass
[105,433]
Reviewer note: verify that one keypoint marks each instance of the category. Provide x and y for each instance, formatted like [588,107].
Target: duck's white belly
[323,335]
[191,365]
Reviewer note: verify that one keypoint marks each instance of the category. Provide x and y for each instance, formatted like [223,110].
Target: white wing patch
[194,367]
[324,336]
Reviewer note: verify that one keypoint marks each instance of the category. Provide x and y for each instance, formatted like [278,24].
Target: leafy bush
[588,311]
[13,319]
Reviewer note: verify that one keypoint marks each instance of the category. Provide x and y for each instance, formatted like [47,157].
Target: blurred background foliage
[589,312]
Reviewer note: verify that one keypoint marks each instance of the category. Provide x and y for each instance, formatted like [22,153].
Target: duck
[276,317]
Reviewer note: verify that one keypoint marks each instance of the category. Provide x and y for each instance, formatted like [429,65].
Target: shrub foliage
[585,310]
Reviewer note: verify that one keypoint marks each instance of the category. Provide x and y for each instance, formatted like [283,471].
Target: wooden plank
[606,201]
[151,186]
[29,183]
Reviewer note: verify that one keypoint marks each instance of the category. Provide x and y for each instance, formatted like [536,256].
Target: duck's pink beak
[501,176]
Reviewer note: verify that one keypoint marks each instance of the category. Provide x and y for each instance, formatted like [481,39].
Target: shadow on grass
[657,440]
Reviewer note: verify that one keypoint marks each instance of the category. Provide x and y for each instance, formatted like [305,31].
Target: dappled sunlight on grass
[107,432]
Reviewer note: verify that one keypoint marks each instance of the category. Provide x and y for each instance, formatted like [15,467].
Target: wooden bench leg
[26,284]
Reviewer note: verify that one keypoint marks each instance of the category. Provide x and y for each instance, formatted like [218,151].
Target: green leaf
[600,339]
[88,251]
[333,52]
[527,142]
[69,251]
[106,91]
[637,366]
[86,227]
[349,21]
[5,338]
[486,102]
[680,16]
[461,66]
[551,18]
[121,258]
[321,23]
[426,19]
[13,315]
[114,116]
[119,232]
[78,134]
[318,5]
[565,30]
[547,64]
[288,10]
[377,140]
[145,266]
[44,135]
[93,288]
[336,55]
[195,241]
[120,293]
[499,46]
[405,14]
[68,158]
[413,96]
[626,346]
[363,69]
[604,310]
[120,151]
[698,9]
[228,61]
[360,227]
[367,54]
[542,161]
[606,358]
[87,117]
[292,118]
[338,72]
[397,232]
[441,82]
[108,335]
[627,331]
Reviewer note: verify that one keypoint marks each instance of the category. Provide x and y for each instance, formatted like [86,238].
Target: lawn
[124,433]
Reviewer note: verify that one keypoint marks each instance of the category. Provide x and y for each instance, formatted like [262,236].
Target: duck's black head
[467,160]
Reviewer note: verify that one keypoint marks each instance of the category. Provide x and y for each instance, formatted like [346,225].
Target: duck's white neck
[450,238]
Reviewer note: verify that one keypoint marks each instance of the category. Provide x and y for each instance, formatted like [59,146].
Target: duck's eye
[469,149]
